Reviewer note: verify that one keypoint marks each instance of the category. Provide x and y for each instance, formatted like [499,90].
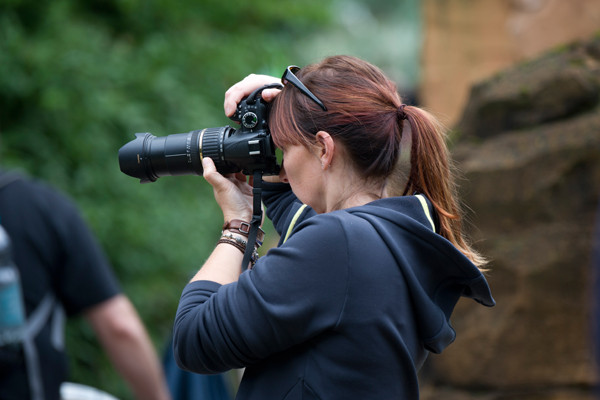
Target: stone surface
[466,41]
[556,86]
[533,185]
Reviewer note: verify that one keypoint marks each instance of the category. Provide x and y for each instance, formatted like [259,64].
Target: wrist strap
[243,228]
[256,217]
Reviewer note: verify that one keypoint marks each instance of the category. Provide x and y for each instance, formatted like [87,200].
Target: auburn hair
[366,114]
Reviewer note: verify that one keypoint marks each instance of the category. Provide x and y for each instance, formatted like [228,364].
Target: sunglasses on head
[289,75]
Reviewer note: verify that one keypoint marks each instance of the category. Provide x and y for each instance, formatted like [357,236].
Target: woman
[362,285]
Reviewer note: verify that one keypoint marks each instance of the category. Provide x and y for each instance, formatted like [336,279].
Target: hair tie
[401,113]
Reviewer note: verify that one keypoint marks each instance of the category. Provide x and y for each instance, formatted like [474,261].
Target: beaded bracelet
[235,238]
[239,244]
[257,244]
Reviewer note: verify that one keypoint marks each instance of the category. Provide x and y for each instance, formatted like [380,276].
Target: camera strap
[256,217]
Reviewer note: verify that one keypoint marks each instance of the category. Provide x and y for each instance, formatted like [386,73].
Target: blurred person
[362,284]
[185,385]
[64,271]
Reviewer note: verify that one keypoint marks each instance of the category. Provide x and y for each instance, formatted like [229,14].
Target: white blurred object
[76,391]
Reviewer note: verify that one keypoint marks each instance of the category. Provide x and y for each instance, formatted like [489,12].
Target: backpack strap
[35,323]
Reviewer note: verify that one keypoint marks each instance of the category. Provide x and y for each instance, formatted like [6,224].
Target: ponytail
[432,174]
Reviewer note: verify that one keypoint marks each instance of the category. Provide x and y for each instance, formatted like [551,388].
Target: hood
[436,272]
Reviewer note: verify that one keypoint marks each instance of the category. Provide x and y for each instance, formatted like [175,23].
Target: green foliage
[77,79]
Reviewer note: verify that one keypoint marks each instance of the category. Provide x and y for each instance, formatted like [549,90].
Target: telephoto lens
[249,149]
[148,157]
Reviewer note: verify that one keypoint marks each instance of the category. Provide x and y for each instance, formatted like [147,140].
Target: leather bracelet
[243,228]
[239,244]
[234,243]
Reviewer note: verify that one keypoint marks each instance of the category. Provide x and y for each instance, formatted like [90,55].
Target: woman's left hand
[232,192]
[243,88]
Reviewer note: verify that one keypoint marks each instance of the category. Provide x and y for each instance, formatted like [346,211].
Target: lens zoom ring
[211,139]
[212,145]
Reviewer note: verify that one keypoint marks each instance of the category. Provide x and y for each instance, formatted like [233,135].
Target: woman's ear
[325,148]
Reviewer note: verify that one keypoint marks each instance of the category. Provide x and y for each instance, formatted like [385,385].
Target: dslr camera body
[248,149]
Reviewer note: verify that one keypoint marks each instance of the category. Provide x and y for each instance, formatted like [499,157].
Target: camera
[248,149]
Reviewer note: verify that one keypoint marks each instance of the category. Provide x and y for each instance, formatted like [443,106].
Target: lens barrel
[148,157]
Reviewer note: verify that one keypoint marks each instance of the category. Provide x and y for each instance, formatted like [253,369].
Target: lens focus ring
[211,145]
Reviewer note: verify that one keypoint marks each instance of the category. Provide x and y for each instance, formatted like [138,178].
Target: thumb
[210,171]
[269,94]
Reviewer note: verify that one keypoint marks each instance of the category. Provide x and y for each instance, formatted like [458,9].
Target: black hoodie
[347,306]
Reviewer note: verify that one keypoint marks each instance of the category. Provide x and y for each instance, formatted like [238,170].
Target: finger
[243,185]
[241,177]
[269,94]
[243,88]
[272,179]
[238,91]
[210,172]
[232,97]
[208,166]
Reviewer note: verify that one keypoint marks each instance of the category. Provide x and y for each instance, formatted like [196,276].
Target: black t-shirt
[54,251]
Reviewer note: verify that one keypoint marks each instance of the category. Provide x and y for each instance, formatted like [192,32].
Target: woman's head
[361,113]
[365,115]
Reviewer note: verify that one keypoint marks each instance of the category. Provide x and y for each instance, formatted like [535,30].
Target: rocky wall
[529,152]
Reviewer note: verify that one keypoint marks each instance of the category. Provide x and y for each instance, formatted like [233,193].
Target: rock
[532,183]
[554,87]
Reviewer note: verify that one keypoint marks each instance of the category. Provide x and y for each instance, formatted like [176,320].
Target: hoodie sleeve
[287,298]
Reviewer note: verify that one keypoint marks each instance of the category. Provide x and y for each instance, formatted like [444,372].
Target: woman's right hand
[232,192]
[246,86]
